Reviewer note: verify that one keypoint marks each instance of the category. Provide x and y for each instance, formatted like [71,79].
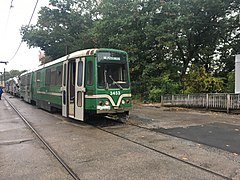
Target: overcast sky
[10,24]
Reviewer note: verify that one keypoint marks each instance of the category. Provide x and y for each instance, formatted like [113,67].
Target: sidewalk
[22,155]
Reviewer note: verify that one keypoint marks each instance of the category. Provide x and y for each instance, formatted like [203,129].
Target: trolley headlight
[100,103]
[107,103]
[127,101]
[123,101]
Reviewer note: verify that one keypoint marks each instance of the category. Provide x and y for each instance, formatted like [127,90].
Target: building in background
[237,73]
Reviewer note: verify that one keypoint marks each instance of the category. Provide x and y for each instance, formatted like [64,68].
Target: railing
[220,101]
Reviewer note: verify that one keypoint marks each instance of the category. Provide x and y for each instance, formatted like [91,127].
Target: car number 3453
[115,93]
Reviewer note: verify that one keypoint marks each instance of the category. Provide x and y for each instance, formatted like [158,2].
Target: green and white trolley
[83,83]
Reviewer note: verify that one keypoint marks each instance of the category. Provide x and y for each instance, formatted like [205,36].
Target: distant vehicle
[12,86]
[83,83]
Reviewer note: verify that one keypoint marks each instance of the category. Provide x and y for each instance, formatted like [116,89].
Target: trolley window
[64,75]
[23,81]
[89,73]
[53,76]
[79,99]
[80,73]
[48,77]
[28,79]
[112,70]
[38,78]
[59,75]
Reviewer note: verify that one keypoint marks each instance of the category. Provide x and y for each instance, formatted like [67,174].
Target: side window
[38,75]
[48,77]
[64,75]
[53,76]
[89,73]
[28,80]
[80,73]
[23,80]
[59,75]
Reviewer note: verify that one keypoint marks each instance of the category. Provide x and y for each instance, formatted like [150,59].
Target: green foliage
[194,81]
[213,85]
[230,87]
[11,74]
[61,27]
[198,80]
[163,38]
[151,89]
[168,87]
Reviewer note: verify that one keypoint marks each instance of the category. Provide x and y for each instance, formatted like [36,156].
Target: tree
[163,38]
[11,74]
[61,27]
[198,80]
[229,44]
[134,27]
[230,85]
[198,28]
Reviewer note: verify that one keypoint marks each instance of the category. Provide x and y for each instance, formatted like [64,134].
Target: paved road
[220,135]
[218,130]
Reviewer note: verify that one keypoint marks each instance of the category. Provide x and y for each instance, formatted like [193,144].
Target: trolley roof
[80,53]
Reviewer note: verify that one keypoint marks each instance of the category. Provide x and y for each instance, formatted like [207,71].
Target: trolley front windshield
[112,70]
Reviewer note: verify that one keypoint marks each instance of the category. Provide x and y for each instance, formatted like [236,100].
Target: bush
[155,94]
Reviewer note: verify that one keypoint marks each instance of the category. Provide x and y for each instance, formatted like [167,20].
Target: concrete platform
[22,155]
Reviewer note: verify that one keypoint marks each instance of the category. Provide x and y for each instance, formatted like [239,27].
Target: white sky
[10,37]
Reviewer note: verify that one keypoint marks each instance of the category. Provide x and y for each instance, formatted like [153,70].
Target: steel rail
[158,151]
[54,153]
[194,165]
[119,136]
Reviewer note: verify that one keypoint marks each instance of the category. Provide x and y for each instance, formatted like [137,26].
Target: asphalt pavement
[220,135]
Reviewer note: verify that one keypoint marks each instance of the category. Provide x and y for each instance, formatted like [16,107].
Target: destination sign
[111,58]
[108,56]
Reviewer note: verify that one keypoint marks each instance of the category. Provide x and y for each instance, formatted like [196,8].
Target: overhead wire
[27,26]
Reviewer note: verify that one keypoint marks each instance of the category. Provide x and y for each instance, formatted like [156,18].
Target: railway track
[156,150]
[49,148]
[99,126]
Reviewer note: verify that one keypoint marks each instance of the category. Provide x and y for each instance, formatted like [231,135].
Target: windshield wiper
[105,79]
[114,82]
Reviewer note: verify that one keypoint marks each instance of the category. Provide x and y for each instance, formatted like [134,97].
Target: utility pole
[4,77]
[5,62]
[1,78]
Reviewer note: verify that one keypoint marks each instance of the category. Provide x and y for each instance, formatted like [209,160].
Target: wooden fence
[216,101]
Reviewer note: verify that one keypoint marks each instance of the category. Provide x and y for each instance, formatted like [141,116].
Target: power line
[27,26]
